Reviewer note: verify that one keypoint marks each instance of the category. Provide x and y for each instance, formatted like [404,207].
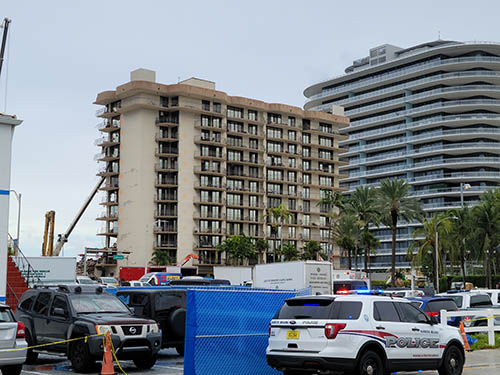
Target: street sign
[118,257]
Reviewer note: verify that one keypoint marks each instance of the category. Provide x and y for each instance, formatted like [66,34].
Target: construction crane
[187,259]
[48,249]
[5,26]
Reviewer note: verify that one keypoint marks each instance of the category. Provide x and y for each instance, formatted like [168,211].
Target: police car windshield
[97,303]
[458,300]
[319,309]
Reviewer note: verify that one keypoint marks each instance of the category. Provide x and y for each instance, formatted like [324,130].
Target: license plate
[292,335]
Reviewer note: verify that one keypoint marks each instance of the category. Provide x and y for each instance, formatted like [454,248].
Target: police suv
[364,334]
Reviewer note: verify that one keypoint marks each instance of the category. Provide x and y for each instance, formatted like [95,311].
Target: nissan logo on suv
[132,330]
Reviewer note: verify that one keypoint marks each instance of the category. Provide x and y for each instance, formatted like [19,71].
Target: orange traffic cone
[107,359]
[464,337]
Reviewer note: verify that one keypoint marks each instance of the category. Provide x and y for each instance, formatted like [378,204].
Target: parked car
[108,281]
[473,302]
[85,280]
[12,337]
[432,306]
[58,313]
[404,292]
[166,307]
[134,283]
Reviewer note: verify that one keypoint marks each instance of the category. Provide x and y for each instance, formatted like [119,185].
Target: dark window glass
[306,309]
[417,304]
[26,304]
[385,312]
[458,300]
[480,300]
[166,301]
[6,315]
[346,310]
[42,303]
[438,305]
[410,313]
[61,303]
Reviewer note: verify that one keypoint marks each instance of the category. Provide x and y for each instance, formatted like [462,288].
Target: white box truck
[294,276]
[236,275]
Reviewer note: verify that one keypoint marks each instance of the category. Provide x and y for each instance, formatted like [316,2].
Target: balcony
[165,213]
[400,73]
[160,167]
[216,140]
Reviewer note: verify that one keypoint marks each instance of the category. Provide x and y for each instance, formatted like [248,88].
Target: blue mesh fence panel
[227,330]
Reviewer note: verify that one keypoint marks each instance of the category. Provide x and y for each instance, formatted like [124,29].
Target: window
[385,312]
[292,176]
[480,300]
[42,303]
[306,138]
[307,219]
[307,206]
[307,179]
[274,133]
[253,143]
[292,204]
[253,201]
[306,124]
[205,105]
[274,146]
[252,129]
[411,314]
[292,232]
[292,190]
[441,304]
[252,115]
[306,192]
[274,174]
[306,151]
[292,162]
[273,117]
[234,112]
[326,141]
[234,126]
[307,233]
[59,302]
[291,121]
[26,304]
[346,310]
[292,148]
[217,108]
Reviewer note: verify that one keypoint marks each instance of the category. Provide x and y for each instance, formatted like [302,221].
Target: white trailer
[294,276]
[47,270]
[236,275]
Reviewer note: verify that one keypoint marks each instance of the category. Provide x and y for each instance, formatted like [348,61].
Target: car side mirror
[422,318]
[59,312]
[434,320]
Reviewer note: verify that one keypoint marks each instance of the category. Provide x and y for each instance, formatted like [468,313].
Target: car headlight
[103,329]
[153,328]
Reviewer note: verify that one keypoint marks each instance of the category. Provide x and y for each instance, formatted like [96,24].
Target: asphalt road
[168,363]
[483,362]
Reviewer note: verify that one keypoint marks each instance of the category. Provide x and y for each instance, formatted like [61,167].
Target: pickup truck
[473,302]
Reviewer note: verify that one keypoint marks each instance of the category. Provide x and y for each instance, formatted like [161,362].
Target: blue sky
[62,53]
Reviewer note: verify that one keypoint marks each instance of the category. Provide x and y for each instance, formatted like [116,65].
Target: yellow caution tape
[114,355]
[484,318]
[50,343]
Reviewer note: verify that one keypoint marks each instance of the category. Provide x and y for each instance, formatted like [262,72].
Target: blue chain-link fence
[227,329]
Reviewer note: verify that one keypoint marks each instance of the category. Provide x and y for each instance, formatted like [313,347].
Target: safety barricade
[490,319]
[227,330]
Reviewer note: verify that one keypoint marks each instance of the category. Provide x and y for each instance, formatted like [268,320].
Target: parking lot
[484,362]
[168,363]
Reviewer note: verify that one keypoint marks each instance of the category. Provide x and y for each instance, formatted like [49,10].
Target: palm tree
[426,246]
[487,220]
[332,199]
[261,247]
[370,243]
[161,258]
[346,235]
[311,251]
[461,235]
[290,252]
[279,215]
[239,248]
[394,203]
[363,205]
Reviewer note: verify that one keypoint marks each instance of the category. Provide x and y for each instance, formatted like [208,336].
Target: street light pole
[462,188]
[437,262]
[18,197]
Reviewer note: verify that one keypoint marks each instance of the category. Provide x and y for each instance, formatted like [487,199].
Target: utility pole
[6,22]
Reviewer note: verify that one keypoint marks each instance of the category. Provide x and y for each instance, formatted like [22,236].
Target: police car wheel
[370,364]
[453,361]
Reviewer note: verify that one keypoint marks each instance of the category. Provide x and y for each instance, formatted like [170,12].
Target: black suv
[57,313]
[167,307]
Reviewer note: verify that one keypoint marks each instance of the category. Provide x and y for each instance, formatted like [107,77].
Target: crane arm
[6,22]
[63,238]
[187,259]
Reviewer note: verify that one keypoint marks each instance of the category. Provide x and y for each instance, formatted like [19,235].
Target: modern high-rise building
[429,114]
[187,166]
